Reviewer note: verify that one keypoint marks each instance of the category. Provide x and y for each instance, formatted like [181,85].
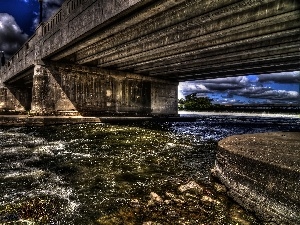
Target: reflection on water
[151,173]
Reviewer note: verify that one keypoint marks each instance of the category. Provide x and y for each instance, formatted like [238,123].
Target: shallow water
[107,173]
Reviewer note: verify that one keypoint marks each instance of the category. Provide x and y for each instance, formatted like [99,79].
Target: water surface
[111,173]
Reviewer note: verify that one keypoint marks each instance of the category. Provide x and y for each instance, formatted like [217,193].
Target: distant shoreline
[254,114]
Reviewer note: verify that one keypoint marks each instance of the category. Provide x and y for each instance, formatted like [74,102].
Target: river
[138,173]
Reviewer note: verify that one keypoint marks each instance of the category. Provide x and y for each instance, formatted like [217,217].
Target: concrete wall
[14,100]
[61,88]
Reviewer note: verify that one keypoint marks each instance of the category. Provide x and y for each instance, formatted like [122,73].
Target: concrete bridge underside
[196,39]
[127,56]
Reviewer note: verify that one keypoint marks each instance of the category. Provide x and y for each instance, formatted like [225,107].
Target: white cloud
[227,83]
[260,92]
[225,101]
[236,80]
[186,88]
[277,95]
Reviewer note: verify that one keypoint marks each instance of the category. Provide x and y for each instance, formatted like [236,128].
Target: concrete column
[164,98]
[39,90]
[48,98]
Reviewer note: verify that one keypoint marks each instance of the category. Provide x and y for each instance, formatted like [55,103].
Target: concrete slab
[262,173]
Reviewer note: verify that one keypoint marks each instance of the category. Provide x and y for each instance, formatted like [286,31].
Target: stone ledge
[262,172]
[22,120]
[25,120]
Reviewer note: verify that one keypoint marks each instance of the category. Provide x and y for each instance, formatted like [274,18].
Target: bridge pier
[15,99]
[67,89]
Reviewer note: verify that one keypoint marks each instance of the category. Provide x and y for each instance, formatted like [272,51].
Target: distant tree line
[192,102]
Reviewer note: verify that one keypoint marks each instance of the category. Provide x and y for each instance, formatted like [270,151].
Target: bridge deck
[170,39]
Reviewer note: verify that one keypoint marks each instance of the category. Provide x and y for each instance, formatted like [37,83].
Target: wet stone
[192,186]
[174,208]
[154,199]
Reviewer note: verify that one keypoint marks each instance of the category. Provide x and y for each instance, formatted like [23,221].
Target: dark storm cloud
[266,93]
[214,85]
[50,7]
[11,36]
[223,84]
[285,77]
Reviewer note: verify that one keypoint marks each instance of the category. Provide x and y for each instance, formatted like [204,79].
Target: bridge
[127,56]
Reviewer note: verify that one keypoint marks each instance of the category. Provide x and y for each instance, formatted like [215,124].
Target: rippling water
[109,173]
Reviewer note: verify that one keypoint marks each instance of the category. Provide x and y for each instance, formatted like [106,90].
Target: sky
[19,19]
[275,88]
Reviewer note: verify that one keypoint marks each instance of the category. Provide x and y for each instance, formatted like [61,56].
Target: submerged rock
[154,199]
[202,206]
[151,223]
[191,186]
[220,188]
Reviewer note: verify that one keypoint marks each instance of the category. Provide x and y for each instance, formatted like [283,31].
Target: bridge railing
[73,4]
[52,22]
[77,18]
[66,9]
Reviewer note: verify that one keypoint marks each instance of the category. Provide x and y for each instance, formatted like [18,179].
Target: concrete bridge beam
[66,89]
[190,36]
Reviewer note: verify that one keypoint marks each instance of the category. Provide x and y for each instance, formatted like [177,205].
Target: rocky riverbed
[143,173]
[191,203]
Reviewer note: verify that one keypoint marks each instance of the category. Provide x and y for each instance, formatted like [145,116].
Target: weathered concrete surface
[14,99]
[62,88]
[262,173]
[174,39]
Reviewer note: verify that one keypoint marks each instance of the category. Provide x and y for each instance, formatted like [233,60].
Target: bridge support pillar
[48,98]
[14,99]
[72,89]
